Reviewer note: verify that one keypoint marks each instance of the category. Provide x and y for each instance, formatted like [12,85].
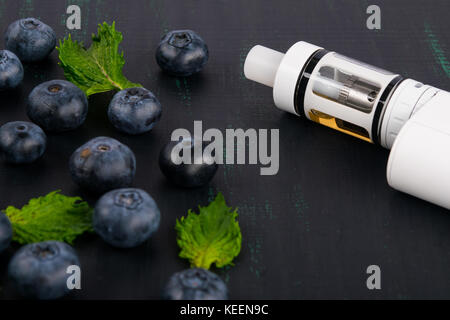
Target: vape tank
[369,103]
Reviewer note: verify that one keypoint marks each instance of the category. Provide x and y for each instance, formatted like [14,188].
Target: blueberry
[134,110]
[30,39]
[38,270]
[197,173]
[126,217]
[11,70]
[195,284]
[57,105]
[103,164]
[5,232]
[182,53]
[22,142]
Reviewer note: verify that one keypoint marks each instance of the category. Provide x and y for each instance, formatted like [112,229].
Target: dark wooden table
[308,232]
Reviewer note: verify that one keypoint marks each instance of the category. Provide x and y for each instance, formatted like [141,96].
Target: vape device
[372,104]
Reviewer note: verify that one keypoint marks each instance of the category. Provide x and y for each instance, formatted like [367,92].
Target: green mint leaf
[51,217]
[212,236]
[99,68]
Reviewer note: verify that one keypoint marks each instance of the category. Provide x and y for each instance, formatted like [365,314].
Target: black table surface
[308,232]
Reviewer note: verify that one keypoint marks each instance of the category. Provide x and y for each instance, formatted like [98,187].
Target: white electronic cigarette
[369,103]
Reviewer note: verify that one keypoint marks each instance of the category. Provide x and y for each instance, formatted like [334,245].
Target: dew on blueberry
[5,232]
[182,53]
[126,217]
[11,70]
[102,164]
[30,39]
[22,142]
[39,270]
[57,106]
[134,110]
[197,173]
[195,284]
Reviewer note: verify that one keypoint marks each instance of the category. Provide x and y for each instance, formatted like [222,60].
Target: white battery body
[419,162]
[369,103]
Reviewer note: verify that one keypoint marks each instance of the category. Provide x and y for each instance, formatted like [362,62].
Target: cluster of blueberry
[124,217]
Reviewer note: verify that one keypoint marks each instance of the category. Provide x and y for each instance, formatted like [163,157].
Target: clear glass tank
[343,97]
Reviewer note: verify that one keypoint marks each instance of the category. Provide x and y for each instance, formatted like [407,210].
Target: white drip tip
[261,65]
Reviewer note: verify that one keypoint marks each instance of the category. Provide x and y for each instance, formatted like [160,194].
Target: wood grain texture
[308,232]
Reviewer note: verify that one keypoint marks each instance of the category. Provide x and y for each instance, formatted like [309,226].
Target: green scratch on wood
[183,90]
[225,273]
[300,205]
[438,51]
[254,218]
[100,11]
[242,56]
[255,257]
[268,210]
[158,10]
[26,10]
[211,194]
[2,8]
